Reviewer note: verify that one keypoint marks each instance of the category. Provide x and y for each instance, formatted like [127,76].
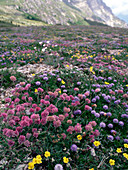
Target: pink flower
[93,123]
[45,113]
[31,110]
[22,83]
[21,139]
[11,123]
[40,89]
[65,109]
[37,109]
[97,90]
[87,100]
[43,121]
[61,117]
[34,105]
[64,135]
[96,133]
[50,118]
[69,121]
[47,97]
[13,78]
[27,143]
[30,99]
[23,97]
[11,143]
[8,100]
[57,123]
[17,100]
[87,107]
[10,112]
[34,130]
[88,127]
[70,129]
[4,115]
[28,135]
[78,128]
[54,110]
[19,129]
[35,134]
[76,89]
[66,115]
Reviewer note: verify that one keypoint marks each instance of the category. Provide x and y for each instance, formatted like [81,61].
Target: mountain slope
[64,12]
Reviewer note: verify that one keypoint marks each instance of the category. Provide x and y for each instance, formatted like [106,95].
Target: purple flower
[110,125]
[102,124]
[97,114]
[117,138]
[115,120]
[63,86]
[125,140]
[58,167]
[105,107]
[38,83]
[74,147]
[59,79]
[78,83]
[45,78]
[93,111]
[121,123]
[109,114]
[110,137]
[77,112]
[93,100]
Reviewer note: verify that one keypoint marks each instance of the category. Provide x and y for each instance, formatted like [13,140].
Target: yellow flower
[65,160]
[39,157]
[39,161]
[47,154]
[33,74]
[125,155]
[34,161]
[79,137]
[30,165]
[68,65]
[106,82]
[96,143]
[91,169]
[126,145]
[119,150]
[126,85]
[112,162]
[62,81]
[36,90]
[59,91]
[91,68]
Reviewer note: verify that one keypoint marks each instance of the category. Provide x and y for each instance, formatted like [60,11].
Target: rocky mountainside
[64,12]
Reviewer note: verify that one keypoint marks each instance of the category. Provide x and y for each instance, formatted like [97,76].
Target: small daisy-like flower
[79,137]
[30,165]
[112,162]
[65,160]
[96,143]
[119,150]
[47,154]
